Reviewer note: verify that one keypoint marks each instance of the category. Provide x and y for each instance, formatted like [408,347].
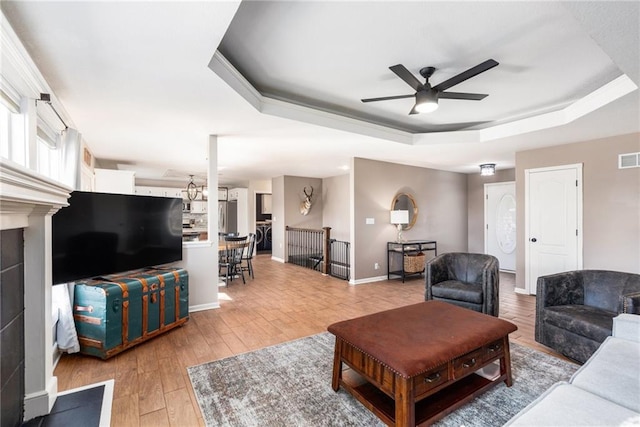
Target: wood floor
[282,303]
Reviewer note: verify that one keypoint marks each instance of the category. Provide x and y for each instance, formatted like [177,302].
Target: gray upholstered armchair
[467,280]
[575,309]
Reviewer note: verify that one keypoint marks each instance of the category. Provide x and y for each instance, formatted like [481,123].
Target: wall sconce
[192,190]
[488,169]
[399,218]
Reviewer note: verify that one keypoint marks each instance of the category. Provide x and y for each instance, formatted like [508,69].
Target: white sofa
[605,391]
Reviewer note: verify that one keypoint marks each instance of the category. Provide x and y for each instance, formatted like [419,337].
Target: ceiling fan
[427,96]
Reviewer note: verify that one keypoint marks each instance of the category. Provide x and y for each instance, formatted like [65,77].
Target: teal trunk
[115,312]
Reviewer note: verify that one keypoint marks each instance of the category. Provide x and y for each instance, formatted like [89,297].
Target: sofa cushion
[590,322]
[455,290]
[612,373]
[566,405]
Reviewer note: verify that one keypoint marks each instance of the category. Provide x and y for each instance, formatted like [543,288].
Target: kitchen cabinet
[198,206]
[266,204]
[234,193]
[160,191]
[114,181]
[241,196]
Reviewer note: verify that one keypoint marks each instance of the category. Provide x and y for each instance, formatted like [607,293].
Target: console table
[396,251]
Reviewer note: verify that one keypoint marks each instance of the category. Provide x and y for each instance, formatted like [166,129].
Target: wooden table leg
[405,402]
[505,363]
[337,366]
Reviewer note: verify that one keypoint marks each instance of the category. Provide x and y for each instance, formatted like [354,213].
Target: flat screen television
[100,233]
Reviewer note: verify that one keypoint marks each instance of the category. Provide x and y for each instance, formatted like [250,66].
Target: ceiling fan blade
[401,71]
[387,98]
[471,72]
[462,95]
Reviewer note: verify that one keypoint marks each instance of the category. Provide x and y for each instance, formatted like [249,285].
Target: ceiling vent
[629,160]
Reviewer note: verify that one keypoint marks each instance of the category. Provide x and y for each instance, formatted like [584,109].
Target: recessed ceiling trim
[275,107]
[228,73]
[602,96]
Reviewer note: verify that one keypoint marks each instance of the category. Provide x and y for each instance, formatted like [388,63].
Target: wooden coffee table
[413,365]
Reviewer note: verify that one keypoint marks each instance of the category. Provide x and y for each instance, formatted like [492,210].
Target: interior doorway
[500,223]
[553,222]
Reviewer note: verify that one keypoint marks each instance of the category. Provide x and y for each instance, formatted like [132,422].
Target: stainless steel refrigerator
[228,217]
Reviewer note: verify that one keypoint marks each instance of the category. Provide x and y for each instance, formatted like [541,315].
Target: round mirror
[406,202]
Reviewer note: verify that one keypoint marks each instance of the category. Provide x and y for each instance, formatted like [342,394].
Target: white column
[41,387]
[200,259]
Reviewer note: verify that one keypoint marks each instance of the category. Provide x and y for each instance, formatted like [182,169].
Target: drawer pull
[469,363]
[495,347]
[432,378]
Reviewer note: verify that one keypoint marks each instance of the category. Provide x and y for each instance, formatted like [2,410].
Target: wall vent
[629,160]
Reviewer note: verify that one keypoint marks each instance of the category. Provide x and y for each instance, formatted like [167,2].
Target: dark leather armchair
[575,309]
[464,279]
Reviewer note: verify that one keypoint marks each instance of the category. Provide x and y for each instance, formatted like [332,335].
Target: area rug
[290,385]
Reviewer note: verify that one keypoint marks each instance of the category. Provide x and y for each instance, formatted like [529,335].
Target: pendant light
[192,190]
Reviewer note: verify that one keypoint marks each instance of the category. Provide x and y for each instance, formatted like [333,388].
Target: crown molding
[303,113]
[602,96]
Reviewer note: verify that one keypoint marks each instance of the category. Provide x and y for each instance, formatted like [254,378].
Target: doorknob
[533,239]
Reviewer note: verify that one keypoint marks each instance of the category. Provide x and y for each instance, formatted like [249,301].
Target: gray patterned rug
[290,385]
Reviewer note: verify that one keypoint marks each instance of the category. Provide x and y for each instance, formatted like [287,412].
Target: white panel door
[553,222]
[500,223]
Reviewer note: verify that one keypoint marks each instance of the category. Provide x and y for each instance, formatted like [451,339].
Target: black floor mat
[81,409]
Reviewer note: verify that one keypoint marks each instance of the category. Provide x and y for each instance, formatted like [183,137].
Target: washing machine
[263,236]
[267,237]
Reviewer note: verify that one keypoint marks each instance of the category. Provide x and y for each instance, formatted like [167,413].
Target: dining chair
[247,257]
[231,258]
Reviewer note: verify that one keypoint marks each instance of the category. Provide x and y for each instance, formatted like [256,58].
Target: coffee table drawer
[430,380]
[468,363]
[493,350]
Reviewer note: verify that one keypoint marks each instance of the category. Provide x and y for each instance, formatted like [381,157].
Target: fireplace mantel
[28,200]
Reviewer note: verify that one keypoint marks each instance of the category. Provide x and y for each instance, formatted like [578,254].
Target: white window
[5,132]
[48,159]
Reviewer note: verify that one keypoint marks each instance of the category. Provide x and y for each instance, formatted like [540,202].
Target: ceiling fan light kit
[427,96]
[426,101]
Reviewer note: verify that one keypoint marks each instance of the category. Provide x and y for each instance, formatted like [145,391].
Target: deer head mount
[305,206]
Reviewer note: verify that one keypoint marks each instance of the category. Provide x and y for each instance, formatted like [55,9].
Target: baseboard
[521,291]
[280,260]
[202,307]
[368,280]
[40,403]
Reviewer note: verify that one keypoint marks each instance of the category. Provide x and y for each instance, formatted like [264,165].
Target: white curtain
[70,158]
[66,334]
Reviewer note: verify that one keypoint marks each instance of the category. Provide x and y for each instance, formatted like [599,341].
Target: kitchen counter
[194,234]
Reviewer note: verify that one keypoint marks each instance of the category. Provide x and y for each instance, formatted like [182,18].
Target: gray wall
[475,208]
[442,210]
[335,204]
[611,201]
[287,195]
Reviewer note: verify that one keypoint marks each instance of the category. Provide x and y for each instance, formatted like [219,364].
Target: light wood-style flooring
[282,303]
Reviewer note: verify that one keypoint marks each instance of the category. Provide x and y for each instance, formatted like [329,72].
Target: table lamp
[399,218]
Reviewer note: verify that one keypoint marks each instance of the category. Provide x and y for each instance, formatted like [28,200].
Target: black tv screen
[99,234]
